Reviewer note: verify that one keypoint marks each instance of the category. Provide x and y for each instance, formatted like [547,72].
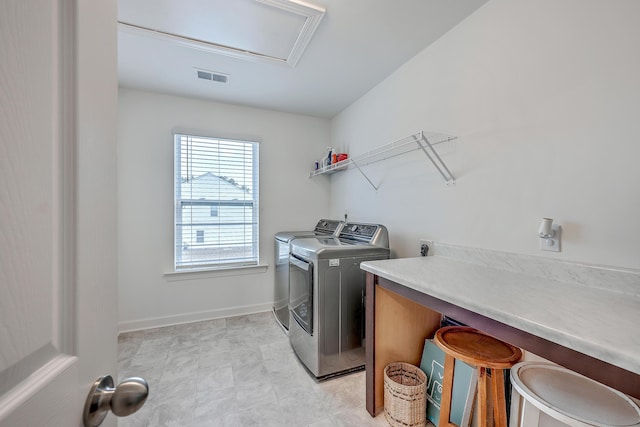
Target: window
[216,211]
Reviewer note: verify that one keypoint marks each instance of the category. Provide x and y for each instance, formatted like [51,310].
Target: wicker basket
[405,395]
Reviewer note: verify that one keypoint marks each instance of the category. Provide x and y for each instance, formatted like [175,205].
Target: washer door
[301,292]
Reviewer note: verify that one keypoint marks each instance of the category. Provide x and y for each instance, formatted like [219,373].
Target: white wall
[288,200]
[545,99]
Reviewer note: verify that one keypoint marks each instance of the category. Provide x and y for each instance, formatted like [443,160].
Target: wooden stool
[482,351]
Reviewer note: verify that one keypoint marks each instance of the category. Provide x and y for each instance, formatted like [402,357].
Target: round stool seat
[477,348]
[484,352]
[572,398]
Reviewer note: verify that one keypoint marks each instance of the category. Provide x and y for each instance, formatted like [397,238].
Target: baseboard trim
[178,319]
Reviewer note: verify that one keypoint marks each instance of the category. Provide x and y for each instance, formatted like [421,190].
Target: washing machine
[326,297]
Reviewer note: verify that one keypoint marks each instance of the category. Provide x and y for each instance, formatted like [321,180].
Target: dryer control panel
[328,226]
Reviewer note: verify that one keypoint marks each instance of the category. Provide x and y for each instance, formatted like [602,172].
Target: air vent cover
[212,75]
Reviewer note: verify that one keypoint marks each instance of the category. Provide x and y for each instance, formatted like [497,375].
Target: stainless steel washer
[326,298]
[324,227]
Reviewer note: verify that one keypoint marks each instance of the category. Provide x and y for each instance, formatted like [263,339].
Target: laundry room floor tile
[238,371]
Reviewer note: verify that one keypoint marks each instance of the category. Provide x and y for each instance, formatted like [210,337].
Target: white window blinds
[216,194]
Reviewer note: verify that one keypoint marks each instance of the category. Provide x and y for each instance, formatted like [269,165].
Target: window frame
[220,264]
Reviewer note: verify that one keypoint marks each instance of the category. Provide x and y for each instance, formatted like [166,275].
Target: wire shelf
[424,141]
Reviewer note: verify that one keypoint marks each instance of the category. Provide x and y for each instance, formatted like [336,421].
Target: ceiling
[308,58]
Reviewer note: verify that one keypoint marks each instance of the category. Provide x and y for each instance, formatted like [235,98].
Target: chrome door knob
[123,400]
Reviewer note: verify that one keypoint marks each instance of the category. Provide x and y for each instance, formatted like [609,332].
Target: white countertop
[602,323]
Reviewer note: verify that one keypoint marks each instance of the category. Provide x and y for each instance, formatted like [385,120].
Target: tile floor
[238,371]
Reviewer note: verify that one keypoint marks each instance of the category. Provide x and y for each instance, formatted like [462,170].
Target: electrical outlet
[426,247]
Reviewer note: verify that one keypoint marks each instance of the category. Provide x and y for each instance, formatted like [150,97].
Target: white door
[58,290]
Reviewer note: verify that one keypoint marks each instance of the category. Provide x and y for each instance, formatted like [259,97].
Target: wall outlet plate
[429,246]
[552,244]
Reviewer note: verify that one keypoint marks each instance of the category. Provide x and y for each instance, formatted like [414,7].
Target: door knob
[123,400]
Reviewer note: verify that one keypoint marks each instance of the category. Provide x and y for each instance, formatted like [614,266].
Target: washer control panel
[360,232]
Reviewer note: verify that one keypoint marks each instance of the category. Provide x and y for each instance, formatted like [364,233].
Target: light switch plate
[555,247]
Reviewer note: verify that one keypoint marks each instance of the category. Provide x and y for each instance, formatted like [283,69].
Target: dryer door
[281,285]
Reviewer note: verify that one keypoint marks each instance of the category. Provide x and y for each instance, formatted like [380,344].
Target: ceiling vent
[212,75]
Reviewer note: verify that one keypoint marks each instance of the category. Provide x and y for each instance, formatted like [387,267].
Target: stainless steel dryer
[324,227]
[326,297]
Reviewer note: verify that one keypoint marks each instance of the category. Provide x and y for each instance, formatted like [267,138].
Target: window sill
[206,273]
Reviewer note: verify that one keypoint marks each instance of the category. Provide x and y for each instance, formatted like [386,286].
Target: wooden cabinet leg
[369,344]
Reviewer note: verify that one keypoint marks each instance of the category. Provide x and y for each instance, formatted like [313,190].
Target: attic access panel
[258,30]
